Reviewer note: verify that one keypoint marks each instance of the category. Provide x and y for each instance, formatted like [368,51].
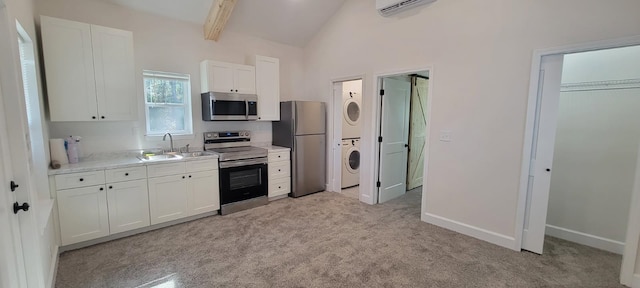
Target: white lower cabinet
[83,214]
[128,204]
[133,197]
[203,192]
[167,198]
[279,173]
[189,193]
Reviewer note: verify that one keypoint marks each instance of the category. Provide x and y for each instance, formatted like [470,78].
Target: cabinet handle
[236,90]
[279,156]
[102,117]
[81,179]
[110,187]
[189,176]
[126,174]
[231,90]
[93,117]
[101,188]
[183,177]
[279,187]
[279,170]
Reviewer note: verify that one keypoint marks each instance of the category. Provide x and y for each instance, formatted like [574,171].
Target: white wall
[480,52]
[174,46]
[594,162]
[603,65]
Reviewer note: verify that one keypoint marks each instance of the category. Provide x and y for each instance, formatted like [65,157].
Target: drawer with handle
[125,174]
[279,187]
[279,156]
[83,179]
[279,170]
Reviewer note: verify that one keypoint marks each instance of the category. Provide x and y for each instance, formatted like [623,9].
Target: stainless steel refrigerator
[302,127]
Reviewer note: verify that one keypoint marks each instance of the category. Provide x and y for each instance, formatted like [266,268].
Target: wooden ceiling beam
[217,19]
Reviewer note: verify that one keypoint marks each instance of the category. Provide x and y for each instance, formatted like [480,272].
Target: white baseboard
[475,232]
[53,272]
[585,239]
[636,281]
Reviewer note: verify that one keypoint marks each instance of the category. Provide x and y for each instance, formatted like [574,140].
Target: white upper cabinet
[114,72]
[227,77]
[89,71]
[268,88]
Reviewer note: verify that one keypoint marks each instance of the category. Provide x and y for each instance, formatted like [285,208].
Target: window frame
[188,113]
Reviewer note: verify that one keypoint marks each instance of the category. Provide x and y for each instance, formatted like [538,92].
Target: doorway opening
[347,108]
[580,165]
[402,134]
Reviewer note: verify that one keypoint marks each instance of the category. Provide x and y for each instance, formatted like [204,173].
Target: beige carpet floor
[328,240]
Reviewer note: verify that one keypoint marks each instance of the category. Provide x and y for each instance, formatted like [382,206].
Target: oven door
[242,180]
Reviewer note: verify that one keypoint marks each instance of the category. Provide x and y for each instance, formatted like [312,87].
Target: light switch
[445,135]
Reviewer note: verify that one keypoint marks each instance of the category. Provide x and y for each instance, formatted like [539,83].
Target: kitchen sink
[161,157]
[196,154]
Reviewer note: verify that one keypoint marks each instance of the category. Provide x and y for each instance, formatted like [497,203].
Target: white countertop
[116,160]
[271,148]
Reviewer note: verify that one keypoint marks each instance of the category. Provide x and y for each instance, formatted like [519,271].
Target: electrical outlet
[445,136]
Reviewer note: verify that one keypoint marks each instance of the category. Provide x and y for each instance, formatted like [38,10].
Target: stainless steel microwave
[217,106]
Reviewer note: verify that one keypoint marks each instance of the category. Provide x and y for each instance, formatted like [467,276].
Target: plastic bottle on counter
[72,149]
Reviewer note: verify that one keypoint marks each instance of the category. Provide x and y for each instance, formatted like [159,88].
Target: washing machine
[351,114]
[350,162]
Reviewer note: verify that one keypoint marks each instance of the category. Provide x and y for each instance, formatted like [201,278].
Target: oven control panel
[225,138]
[227,135]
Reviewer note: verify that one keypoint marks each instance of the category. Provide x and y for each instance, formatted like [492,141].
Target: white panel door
[12,269]
[203,192]
[128,204]
[268,88]
[542,153]
[245,79]
[68,58]
[167,198]
[114,73]
[395,137]
[83,214]
[220,76]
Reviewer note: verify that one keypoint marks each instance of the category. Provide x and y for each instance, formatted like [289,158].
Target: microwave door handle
[246,108]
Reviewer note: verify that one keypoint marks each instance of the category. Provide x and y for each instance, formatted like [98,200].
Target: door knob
[13,186]
[17,207]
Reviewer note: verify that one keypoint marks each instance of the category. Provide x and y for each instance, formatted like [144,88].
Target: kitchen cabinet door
[203,192]
[114,73]
[69,70]
[128,204]
[83,214]
[167,198]
[268,88]
[219,77]
[245,79]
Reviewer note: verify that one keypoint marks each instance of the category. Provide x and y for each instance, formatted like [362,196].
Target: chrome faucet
[170,140]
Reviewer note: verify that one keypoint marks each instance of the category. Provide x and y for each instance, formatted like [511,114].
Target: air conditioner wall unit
[390,7]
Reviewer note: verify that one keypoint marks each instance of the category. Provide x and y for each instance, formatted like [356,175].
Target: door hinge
[378,184]
[380,139]
[381,92]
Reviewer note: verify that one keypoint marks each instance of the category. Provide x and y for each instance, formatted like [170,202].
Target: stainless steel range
[243,170]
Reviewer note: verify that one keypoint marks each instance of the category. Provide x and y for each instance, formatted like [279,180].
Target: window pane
[166,119]
[162,90]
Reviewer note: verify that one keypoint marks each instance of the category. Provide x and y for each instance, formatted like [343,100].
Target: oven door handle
[229,164]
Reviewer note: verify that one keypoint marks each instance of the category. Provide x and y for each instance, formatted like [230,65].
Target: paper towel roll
[57,151]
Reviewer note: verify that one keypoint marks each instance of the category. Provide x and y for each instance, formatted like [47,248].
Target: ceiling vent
[390,7]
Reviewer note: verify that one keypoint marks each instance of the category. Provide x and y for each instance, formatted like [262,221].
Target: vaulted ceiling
[292,22]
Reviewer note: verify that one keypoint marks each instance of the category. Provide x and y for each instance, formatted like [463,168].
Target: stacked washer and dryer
[351,131]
